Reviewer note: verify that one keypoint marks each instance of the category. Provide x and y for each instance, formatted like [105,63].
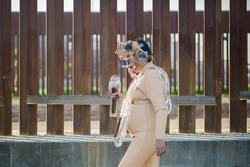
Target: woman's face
[136,67]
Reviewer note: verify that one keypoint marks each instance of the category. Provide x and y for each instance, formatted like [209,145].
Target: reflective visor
[141,57]
[127,61]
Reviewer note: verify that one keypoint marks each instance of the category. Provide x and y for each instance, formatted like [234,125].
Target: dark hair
[128,47]
[145,48]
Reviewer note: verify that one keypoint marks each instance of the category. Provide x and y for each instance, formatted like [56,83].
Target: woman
[144,106]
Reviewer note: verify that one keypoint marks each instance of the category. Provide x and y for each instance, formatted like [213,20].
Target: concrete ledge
[99,151]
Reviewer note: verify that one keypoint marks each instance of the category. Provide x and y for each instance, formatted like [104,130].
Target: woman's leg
[140,149]
[152,161]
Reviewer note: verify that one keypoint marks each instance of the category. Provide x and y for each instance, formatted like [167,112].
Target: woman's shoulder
[151,73]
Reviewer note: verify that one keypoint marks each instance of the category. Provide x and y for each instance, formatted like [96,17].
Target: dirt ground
[95,116]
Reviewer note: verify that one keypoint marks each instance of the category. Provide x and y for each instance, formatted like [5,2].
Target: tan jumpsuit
[147,121]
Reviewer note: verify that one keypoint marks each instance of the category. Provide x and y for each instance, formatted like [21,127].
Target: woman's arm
[154,89]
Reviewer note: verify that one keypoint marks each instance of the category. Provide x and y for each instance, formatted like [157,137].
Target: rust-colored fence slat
[107,123]
[29,66]
[212,62]
[81,119]
[55,65]
[5,68]
[82,64]
[134,24]
[134,20]
[108,61]
[1,101]
[238,66]
[161,37]
[186,63]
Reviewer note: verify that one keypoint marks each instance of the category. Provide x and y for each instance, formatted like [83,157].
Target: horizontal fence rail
[245,95]
[67,99]
[105,100]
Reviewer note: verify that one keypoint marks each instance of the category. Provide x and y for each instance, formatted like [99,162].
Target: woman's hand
[119,96]
[160,147]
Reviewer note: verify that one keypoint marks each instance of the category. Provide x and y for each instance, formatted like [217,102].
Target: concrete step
[201,150]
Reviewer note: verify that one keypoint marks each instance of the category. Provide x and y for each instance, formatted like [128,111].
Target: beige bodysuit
[147,121]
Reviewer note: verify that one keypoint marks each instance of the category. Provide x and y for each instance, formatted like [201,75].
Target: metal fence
[95,43]
[57,53]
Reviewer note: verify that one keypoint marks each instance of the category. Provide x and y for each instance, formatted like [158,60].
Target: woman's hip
[142,119]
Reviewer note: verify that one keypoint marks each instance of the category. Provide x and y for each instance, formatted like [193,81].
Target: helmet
[130,52]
